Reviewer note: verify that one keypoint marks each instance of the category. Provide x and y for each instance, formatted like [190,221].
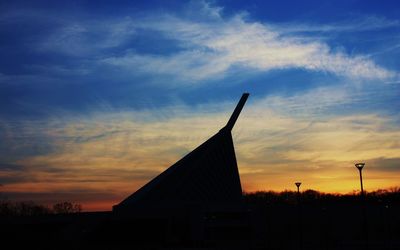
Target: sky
[99,97]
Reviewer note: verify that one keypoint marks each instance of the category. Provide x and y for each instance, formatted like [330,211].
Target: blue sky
[97,97]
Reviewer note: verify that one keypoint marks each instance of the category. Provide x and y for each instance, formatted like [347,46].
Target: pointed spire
[236,112]
[207,175]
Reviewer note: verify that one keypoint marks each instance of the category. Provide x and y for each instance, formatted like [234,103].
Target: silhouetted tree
[24,208]
[67,208]
[29,208]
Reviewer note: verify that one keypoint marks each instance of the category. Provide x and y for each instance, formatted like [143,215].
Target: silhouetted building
[206,176]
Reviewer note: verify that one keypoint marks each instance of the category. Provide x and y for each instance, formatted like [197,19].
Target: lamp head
[360,165]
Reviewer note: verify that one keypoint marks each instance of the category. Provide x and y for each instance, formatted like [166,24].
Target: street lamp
[299,217]
[298,187]
[360,167]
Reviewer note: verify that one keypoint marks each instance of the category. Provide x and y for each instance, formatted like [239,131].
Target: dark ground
[265,221]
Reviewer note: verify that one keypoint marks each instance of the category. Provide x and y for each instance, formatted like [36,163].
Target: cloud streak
[213,47]
[207,45]
[360,24]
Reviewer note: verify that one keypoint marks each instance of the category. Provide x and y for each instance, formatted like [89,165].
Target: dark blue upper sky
[51,50]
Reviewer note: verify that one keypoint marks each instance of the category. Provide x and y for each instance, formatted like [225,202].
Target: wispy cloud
[212,47]
[208,45]
[87,38]
[356,24]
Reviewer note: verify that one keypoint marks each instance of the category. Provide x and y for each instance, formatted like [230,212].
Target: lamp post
[360,167]
[298,187]
[299,217]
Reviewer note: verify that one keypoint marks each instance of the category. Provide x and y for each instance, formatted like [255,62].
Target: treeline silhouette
[265,220]
[30,208]
[287,197]
[380,196]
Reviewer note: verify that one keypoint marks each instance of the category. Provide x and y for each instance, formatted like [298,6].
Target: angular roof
[207,174]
